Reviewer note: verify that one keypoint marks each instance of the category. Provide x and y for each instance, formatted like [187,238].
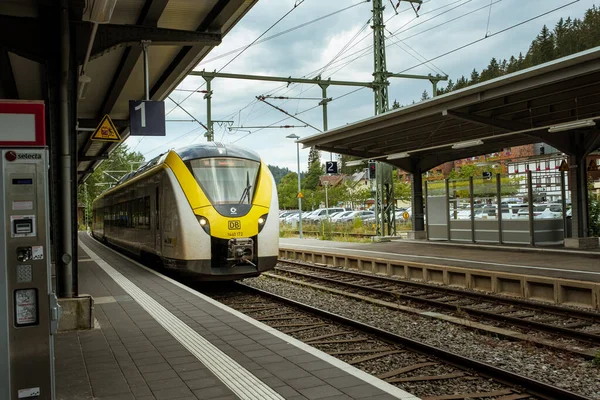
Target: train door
[157,222]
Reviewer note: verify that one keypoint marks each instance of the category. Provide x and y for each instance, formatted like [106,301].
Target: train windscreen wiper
[246,192]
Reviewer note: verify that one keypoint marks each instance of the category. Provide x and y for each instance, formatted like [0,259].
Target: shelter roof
[512,110]
[182,33]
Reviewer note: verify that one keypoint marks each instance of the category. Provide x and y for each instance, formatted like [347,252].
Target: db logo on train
[235,225]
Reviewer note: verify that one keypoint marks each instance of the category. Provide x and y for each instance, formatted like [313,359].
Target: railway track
[580,325]
[426,371]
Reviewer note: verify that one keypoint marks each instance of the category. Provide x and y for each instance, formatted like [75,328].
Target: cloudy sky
[442,25]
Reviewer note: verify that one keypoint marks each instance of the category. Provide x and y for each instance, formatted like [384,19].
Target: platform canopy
[529,106]
[182,33]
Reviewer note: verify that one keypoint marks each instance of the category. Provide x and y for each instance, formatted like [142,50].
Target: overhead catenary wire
[468,44]
[296,4]
[493,34]
[317,72]
[283,32]
[369,49]
[487,29]
[302,112]
[419,57]
[254,102]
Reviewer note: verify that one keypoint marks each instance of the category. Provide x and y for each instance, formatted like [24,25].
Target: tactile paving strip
[244,384]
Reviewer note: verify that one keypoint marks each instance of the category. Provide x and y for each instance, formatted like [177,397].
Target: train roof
[195,151]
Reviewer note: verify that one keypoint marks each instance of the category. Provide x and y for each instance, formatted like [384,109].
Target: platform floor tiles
[156,339]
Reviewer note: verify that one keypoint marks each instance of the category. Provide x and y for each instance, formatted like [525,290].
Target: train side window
[156,207]
[129,214]
[147,211]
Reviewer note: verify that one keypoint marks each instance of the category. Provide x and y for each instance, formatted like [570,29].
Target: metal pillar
[448,219]
[210,133]
[380,88]
[472,202]
[563,196]
[64,262]
[417,201]
[145,45]
[499,202]
[299,191]
[324,104]
[530,208]
[579,200]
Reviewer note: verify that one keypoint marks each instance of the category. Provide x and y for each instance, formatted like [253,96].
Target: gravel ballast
[561,369]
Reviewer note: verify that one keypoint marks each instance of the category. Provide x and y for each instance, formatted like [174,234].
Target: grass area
[355,232]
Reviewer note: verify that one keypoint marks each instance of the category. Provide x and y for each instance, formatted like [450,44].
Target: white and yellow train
[209,210]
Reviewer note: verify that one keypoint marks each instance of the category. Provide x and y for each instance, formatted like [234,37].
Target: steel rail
[511,379]
[580,335]
[549,308]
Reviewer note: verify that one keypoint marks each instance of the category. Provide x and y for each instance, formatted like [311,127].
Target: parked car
[543,211]
[296,217]
[339,215]
[284,214]
[322,213]
[362,215]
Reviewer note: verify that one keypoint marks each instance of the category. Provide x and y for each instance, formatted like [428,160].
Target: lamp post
[296,137]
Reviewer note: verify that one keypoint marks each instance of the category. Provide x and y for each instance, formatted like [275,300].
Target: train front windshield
[226,180]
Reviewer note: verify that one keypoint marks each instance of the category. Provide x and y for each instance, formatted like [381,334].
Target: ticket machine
[28,307]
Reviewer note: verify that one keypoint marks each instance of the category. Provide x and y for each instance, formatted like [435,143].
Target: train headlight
[204,223]
[262,220]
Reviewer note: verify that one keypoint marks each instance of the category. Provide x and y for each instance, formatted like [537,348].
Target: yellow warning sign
[300,195]
[405,215]
[592,166]
[106,131]
[564,167]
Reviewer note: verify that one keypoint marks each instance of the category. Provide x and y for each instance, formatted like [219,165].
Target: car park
[362,215]
[322,213]
[339,215]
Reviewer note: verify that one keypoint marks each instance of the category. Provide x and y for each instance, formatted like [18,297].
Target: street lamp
[296,137]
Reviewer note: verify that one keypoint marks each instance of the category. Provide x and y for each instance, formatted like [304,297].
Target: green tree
[402,190]
[512,65]
[278,173]
[315,170]
[357,195]
[120,162]
[424,95]
[569,36]
[474,77]
[287,190]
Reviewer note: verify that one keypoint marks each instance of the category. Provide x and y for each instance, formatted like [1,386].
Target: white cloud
[308,49]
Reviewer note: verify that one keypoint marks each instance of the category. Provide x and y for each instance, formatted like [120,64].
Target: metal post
[499,202]
[447,187]
[145,44]
[426,212]
[85,210]
[380,70]
[472,200]
[324,104]
[209,122]
[434,83]
[563,196]
[326,201]
[299,190]
[530,208]
[65,264]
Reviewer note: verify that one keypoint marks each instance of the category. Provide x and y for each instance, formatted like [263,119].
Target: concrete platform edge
[547,289]
[370,379]
[581,251]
